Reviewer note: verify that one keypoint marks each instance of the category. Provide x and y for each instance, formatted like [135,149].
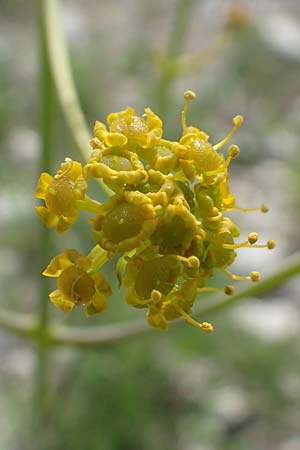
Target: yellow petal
[61,262]
[60,302]
[99,129]
[71,168]
[117,115]
[65,222]
[97,305]
[43,183]
[102,284]
[157,320]
[115,139]
[47,217]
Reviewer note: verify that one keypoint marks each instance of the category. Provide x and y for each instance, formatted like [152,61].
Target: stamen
[237,122]
[235,246]
[233,152]
[209,289]
[252,238]
[236,277]
[228,290]
[188,96]
[263,208]
[205,326]
[269,245]
[192,261]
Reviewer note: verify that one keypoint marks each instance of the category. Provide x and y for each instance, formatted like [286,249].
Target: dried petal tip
[189,95]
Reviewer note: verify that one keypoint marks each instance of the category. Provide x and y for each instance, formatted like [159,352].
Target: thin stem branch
[288,269]
[174,48]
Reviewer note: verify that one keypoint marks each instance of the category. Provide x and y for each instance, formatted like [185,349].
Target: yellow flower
[159,187]
[125,127]
[175,230]
[60,194]
[165,217]
[116,166]
[199,157]
[126,221]
[218,256]
[164,309]
[77,283]
[150,271]
[161,283]
[163,157]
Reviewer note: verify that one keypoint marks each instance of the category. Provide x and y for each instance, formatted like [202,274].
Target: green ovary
[76,285]
[171,235]
[59,197]
[115,162]
[159,273]
[123,222]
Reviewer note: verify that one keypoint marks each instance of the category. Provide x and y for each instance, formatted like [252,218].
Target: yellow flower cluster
[165,218]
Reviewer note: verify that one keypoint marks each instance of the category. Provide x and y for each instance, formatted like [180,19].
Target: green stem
[62,74]
[287,270]
[110,334]
[25,325]
[46,131]
[174,48]
[63,79]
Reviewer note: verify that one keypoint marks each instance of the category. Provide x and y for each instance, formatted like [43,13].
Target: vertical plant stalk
[46,133]
[60,67]
[174,48]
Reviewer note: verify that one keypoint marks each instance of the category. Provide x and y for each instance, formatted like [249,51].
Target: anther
[233,151]
[207,327]
[255,276]
[156,296]
[271,244]
[252,238]
[237,277]
[237,122]
[264,208]
[188,96]
[229,290]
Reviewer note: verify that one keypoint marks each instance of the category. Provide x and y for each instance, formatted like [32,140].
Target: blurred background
[238,388]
